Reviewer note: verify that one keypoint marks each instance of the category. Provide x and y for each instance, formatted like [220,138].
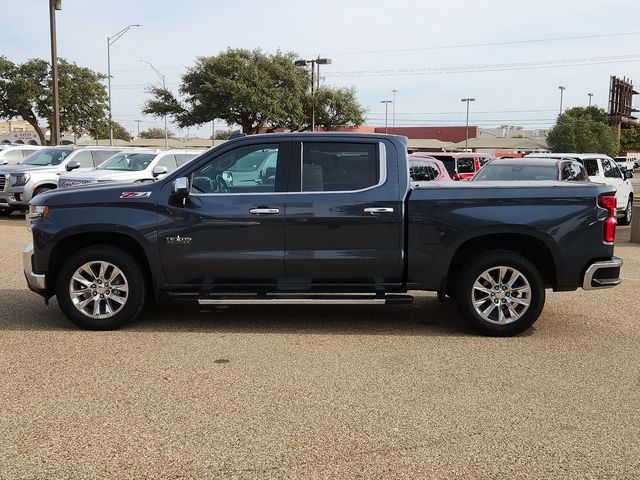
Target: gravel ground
[324,392]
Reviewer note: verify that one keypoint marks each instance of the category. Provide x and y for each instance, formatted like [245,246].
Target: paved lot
[396,392]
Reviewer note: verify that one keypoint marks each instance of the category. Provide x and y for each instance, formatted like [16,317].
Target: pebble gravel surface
[320,392]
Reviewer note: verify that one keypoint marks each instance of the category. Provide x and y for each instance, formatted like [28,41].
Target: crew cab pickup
[319,218]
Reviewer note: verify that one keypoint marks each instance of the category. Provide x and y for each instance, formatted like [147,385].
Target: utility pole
[393,122]
[466,136]
[164,87]
[386,114]
[313,62]
[138,122]
[213,133]
[54,134]
[590,95]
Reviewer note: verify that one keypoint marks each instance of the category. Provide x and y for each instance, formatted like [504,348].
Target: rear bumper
[602,274]
[35,281]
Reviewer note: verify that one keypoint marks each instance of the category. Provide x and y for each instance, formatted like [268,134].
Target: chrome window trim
[383,178]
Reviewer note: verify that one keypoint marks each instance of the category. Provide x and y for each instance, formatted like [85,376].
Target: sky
[510,56]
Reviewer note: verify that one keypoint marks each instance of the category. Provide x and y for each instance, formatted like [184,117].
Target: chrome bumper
[36,281]
[603,274]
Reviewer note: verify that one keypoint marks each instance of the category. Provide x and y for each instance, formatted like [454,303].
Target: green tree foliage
[254,90]
[222,134]
[26,91]
[630,138]
[155,132]
[583,130]
[101,130]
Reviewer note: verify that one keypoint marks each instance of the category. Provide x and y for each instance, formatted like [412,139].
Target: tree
[101,130]
[335,108]
[222,134]
[155,132]
[583,130]
[630,138]
[26,91]
[251,89]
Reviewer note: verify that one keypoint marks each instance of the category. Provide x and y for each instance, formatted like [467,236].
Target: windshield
[46,157]
[493,171]
[131,162]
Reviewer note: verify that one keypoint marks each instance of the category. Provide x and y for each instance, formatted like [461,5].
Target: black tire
[465,293]
[137,287]
[40,190]
[628,213]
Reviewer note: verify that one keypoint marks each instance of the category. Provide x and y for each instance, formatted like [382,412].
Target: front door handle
[376,210]
[264,211]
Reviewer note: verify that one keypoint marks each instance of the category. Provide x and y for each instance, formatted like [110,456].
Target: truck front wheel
[500,293]
[101,288]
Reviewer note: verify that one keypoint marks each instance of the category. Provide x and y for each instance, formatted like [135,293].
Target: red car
[427,169]
[461,166]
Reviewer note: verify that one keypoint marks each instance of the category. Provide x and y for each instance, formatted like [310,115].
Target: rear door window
[466,165]
[84,158]
[100,156]
[339,167]
[168,161]
[591,166]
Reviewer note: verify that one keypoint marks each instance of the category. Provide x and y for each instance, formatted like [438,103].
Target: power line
[487,44]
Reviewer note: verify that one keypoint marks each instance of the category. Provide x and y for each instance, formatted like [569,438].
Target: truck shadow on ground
[22,310]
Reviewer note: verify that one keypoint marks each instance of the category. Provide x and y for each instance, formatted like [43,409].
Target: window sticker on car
[133,195]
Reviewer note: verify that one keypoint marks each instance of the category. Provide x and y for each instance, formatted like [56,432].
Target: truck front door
[230,230]
[344,214]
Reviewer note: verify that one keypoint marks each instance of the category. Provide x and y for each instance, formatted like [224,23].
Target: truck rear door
[344,213]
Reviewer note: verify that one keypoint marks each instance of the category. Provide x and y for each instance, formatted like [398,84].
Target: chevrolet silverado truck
[318,218]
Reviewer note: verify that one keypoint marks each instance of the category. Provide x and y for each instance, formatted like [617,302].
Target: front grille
[3,183]
[72,182]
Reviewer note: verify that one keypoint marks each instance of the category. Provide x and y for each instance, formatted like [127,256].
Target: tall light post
[562,88]
[590,95]
[466,135]
[393,122]
[54,134]
[164,87]
[313,62]
[110,41]
[386,114]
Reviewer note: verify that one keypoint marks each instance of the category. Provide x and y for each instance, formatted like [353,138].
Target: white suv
[12,154]
[603,169]
[131,166]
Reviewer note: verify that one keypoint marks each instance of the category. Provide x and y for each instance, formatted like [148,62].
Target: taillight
[608,202]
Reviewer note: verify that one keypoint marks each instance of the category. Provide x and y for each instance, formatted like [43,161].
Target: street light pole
[111,41]
[393,122]
[562,89]
[313,62]
[590,95]
[164,87]
[386,114]
[54,134]
[466,135]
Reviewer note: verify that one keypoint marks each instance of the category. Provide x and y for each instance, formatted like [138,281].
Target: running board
[307,299]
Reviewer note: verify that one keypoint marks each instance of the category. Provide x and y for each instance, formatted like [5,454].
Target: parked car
[15,180]
[135,165]
[40,171]
[535,169]
[462,166]
[12,154]
[626,163]
[338,222]
[423,168]
[603,169]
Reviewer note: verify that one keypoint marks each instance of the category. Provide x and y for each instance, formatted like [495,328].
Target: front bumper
[602,274]
[36,281]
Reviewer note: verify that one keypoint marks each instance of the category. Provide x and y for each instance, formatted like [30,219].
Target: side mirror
[72,165]
[181,186]
[3,162]
[628,174]
[158,170]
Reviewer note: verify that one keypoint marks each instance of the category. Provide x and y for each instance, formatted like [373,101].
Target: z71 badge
[134,195]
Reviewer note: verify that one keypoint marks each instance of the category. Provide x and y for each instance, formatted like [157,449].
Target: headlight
[35,212]
[18,179]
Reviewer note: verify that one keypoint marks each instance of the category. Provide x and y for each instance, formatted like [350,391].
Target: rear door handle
[264,211]
[375,210]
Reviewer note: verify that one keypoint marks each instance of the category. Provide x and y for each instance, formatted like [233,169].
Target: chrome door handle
[374,210]
[264,211]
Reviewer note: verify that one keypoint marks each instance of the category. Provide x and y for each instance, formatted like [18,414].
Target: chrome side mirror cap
[72,165]
[158,170]
[181,186]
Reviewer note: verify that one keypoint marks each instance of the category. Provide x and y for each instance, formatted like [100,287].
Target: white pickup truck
[603,169]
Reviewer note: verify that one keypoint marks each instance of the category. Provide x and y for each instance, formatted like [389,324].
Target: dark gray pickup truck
[318,218]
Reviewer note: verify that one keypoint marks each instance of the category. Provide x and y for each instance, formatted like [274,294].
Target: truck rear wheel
[101,288]
[500,293]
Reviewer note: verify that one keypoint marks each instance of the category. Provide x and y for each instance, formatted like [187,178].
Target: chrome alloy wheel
[501,295]
[99,289]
